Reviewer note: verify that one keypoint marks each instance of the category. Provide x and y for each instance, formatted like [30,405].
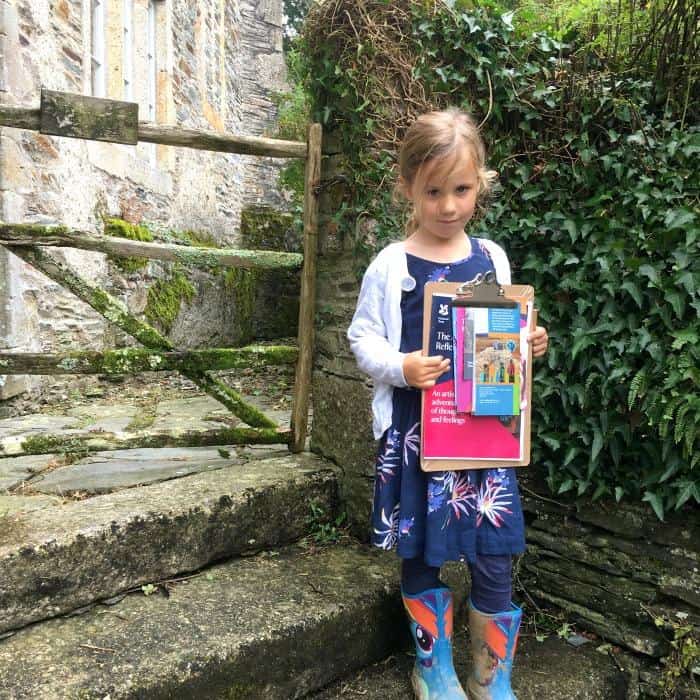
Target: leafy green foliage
[325,528]
[294,14]
[598,209]
[683,651]
[293,116]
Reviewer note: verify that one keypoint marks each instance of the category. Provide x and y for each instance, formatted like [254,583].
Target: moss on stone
[34,230]
[264,228]
[134,232]
[47,444]
[143,419]
[198,238]
[165,297]
[85,444]
[241,284]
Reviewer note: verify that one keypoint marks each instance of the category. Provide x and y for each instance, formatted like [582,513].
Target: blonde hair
[438,137]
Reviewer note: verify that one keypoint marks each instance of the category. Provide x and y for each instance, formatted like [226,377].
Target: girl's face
[444,196]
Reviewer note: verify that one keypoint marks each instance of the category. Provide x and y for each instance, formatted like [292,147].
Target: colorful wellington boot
[430,615]
[494,640]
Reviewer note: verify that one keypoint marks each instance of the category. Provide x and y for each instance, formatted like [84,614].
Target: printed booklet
[496,353]
[478,411]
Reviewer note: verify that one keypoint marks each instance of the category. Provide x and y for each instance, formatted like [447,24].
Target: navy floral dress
[441,516]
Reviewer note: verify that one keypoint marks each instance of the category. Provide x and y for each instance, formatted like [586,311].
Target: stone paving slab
[57,559]
[36,423]
[14,506]
[262,627]
[15,470]
[196,412]
[110,418]
[549,670]
[13,431]
[112,470]
[96,420]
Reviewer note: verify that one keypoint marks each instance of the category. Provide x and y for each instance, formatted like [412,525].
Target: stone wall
[218,64]
[342,424]
[615,568]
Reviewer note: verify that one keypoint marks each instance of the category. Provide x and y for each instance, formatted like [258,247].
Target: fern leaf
[638,387]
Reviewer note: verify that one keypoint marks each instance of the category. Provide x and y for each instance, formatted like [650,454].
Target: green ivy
[598,208]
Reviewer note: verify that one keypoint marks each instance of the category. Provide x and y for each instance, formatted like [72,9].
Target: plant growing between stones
[325,528]
[683,658]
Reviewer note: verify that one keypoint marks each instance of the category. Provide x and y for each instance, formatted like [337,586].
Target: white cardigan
[375,331]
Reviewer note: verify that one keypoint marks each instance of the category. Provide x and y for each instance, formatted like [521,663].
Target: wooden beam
[134,360]
[20,117]
[307,301]
[81,442]
[198,256]
[117,313]
[172,135]
[222,142]
[81,117]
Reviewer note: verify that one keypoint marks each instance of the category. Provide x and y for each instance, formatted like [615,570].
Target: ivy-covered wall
[598,209]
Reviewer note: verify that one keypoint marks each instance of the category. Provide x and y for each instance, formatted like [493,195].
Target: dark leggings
[491,580]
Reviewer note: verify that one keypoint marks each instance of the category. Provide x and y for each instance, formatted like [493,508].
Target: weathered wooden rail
[206,258]
[134,360]
[77,116]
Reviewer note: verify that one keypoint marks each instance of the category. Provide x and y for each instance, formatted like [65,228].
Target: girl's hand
[421,372]
[539,340]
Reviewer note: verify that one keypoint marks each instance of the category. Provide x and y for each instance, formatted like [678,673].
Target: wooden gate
[77,116]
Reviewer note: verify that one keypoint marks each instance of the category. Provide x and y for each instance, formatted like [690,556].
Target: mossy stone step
[63,557]
[276,625]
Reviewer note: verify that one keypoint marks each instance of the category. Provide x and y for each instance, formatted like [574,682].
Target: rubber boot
[494,639]
[430,615]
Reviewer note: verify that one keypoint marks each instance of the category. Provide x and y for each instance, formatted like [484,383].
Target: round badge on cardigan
[408,284]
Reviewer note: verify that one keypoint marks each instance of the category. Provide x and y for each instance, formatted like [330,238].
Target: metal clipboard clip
[483,291]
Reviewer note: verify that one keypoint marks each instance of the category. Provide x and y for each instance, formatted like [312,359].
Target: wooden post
[223,143]
[165,134]
[307,301]
[20,117]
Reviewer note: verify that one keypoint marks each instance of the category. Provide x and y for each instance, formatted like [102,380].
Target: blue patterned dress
[441,516]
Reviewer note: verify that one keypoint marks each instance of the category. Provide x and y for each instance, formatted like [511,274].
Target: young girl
[475,515]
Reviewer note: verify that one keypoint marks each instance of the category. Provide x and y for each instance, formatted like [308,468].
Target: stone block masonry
[214,65]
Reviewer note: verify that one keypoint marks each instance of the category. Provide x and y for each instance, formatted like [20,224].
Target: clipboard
[452,440]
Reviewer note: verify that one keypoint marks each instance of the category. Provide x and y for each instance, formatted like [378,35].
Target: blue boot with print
[494,639]
[430,615]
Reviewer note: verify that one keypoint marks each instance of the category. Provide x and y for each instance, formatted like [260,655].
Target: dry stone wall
[218,65]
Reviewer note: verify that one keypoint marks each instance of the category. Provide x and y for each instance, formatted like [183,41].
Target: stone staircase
[208,584]
[194,573]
